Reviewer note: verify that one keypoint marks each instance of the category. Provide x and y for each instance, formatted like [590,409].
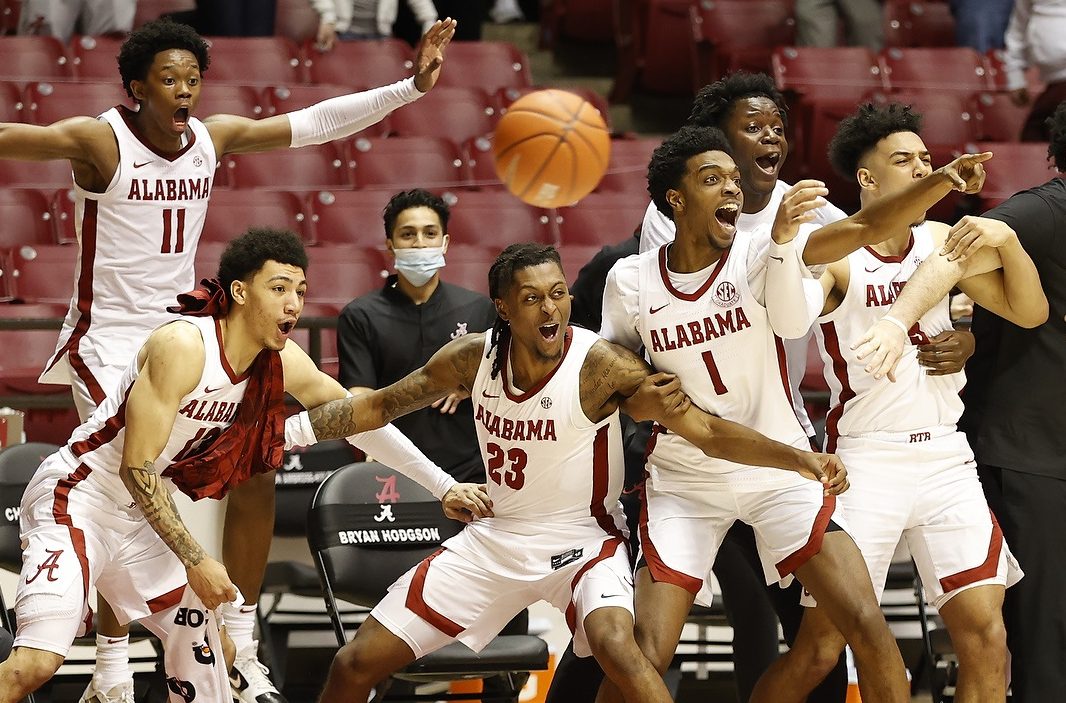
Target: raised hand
[966,172]
[429,56]
[798,206]
[466,502]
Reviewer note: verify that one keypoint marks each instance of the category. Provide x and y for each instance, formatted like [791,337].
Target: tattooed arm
[614,377]
[171,363]
[451,369]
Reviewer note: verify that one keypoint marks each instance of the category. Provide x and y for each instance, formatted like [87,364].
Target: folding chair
[350,500]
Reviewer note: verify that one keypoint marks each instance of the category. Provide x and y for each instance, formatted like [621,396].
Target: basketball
[551,148]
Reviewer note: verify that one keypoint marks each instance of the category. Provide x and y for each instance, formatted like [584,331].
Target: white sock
[112,662]
[240,624]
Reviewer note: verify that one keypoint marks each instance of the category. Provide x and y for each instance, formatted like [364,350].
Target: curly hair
[670,160]
[1056,125]
[246,254]
[501,274]
[714,103]
[417,197]
[857,134]
[141,46]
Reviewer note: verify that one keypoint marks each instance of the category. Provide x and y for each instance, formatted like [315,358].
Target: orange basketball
[551,148]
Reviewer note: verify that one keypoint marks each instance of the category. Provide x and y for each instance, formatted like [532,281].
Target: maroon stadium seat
[39,58]
[955,69]
[917,23]
[487,65]
[348,217]
[338,274]
[45,273]
[1015,166]
[11,107]
[627,171]
[27,351]
[254,60]
[229,99]
[362,63]
[499,217]
[310,168]
[575,256]
[946,117]
[45,103]
[95,58]
[664,48]
[733,35]
[580,20]
[406,162]
[998,118]
[601,218]
[45,175]
[480,164]
[842,73]
[25,218]
[998,74]
[451,113]
[232,212]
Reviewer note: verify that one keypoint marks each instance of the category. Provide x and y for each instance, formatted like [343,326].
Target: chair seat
[505,653]
[292,577]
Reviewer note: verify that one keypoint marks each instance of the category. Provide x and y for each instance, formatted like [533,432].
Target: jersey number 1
[513,475]
[712,370]
[173,231]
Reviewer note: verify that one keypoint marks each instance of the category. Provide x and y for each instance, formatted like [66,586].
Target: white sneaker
[122,693]
[249,679]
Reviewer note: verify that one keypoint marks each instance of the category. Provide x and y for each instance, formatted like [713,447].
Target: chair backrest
[367,525]
[17,466]
[303,471]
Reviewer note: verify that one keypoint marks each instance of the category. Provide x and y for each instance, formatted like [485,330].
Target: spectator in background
[365,19]
[1035,38]
[817,23]
[237,18]
[384,335]
[980,24]
[62,18]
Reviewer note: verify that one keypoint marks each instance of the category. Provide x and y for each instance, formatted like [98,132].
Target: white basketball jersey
[137,242]
[202,414]
[860,404]
[718,341]
[547,463]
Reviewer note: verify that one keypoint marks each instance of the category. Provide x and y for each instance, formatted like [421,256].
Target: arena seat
[391,164]
[947,121]
[957,69]
[498,217]
[25,218]
[27,351]
[232,212]
[45,273]
[662,35]
[579,20]
[45,103]
[998,118]
[95,58]
[1015,167]
[279,99]
[40,58]
[44,175]
[574,258]
[347,217]
[486,65]
[918,23]
[229,99]
[600,219]
[11,106]
[998,73]
[840,73]
[339,274]
[310,168]
[480,164]
[7,278]
[372,63]
[450,113]
[627,170]
[255,60]
[733,35]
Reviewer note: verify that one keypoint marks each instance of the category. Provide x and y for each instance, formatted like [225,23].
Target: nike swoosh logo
[209,389]
[237,681]
[873,270]
[486,395]
[612,595]
[141,165]
[777,258]
[652,311]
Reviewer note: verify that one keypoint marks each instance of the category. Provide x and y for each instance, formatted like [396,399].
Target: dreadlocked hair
[501,274]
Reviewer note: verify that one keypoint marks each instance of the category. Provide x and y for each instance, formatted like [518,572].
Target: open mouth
[286,327]
[181,117]
[727,216]
[549,331]
[768,163]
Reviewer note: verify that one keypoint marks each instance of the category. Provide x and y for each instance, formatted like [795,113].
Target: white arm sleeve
[620,301]
[793,298]
[345,115]
[656,230]
[387,445]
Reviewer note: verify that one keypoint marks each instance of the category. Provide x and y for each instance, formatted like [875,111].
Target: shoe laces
[253,670]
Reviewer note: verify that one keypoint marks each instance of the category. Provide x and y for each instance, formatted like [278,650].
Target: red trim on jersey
[985,570]
[782,366]
[802,555]
[658,568]
[416,603]
[892,259]
[127,117]
[234,378]
[106,433]
[664,272]
[840,370]
[167,600]
[513,395]
[60,502]
[607,550]
[601,482]
[83,304]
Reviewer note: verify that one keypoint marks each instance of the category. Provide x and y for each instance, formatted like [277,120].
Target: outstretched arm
[617,378]
[881,219]
[171,366]
[338,117]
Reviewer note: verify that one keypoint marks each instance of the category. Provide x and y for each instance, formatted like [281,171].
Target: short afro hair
[417,197]
[714,103]
[246,254]
[670,159]
[141,46]
[1056,127]
[859,133]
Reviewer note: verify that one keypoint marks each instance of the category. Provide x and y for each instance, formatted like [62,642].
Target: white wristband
[298,431]
[897,323]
